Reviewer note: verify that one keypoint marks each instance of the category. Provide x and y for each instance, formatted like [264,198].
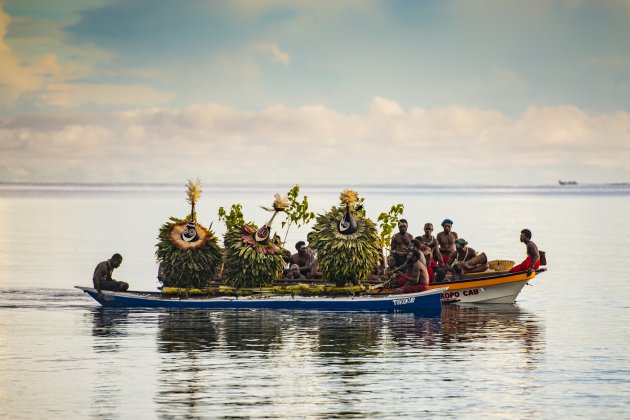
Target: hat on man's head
[461,241]
[447,222]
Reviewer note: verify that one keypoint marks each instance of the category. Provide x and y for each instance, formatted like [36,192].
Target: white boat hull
[498,293]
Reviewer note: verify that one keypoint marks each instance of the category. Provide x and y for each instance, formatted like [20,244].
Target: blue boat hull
[428,301]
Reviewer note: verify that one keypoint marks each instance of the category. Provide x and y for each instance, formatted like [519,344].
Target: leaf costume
[189,254]
[252,259]
[347,242]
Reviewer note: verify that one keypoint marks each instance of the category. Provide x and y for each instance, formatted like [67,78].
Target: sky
[496,92]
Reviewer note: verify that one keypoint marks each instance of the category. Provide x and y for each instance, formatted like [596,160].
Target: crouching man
[102,277]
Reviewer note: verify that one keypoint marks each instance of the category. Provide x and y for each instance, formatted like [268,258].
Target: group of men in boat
[413,262]
[417,262]
[424,259]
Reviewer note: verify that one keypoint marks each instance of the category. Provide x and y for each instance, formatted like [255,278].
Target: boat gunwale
[490,278]
[153,296]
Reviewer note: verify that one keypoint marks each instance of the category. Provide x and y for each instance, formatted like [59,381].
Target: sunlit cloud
[302,144]
[278,55]
[44,79]
[17,75]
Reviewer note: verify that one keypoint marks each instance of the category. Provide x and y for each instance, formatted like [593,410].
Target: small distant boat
[424,302]
[567,182]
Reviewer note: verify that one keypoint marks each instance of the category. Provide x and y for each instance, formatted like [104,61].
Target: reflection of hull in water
[505,323]
[428,301]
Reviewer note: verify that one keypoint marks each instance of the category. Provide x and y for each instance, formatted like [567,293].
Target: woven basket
[500,265]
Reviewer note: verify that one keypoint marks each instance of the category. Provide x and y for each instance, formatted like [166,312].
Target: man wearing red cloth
[532,262]
[446,240]
[416,277]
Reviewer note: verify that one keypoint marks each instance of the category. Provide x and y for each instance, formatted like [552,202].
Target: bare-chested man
[429,241]
[464,259]
[446,240]
[102,277]
[302,258]
[400,243]
[416,278]
[414,244]
[532,262]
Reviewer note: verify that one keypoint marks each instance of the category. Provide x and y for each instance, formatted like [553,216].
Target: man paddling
[532,262]
[102,277]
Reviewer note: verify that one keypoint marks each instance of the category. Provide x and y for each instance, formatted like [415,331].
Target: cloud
[73,95]
[17,75]
[44,80]
[315,144]
[278,56]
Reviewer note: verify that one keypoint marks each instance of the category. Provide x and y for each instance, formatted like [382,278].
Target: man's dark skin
[302,259]
[446,239]
[462,253]
[400,243]
[430,241]
[103,274]
[418,271]
[532,252]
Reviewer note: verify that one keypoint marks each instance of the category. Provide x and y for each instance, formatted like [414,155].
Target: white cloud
[385,106]
[278,55]
[316,144]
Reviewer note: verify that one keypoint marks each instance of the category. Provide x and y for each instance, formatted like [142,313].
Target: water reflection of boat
[475,323]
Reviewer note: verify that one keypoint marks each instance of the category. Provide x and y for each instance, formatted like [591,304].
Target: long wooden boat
[484,287]
[426,302]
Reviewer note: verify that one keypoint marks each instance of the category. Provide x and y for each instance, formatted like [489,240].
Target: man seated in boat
[302,258]
[294,273]
[406,266]
[532,262]
[414,278]
[446,240]
[102,277]
[431,249]
[400,243]
[310,250]
[429,241]
[466,260]
[416,244]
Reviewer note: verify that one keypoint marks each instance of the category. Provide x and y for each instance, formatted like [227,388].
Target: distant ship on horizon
[567,182]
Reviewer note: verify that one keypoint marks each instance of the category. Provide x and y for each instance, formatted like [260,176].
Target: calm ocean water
[560,351]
